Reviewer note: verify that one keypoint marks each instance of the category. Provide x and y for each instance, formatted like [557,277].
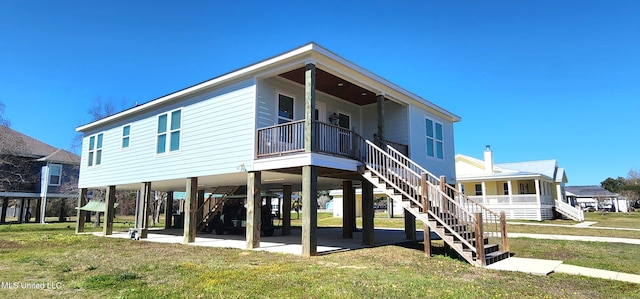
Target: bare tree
[18,171]
[99,110]
[3,120]
[159,199]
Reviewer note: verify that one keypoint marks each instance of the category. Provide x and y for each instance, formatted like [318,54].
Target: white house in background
[394,209]
[299,121]
[593,198]
[529,190]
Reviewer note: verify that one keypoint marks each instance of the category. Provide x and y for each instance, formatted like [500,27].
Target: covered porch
[519,198]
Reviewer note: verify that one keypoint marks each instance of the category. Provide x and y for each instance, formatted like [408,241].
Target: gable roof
[544,167]
[16,143]
[589,191]
[310,52]
[547,168]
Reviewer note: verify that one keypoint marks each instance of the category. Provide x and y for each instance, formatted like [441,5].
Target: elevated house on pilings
[33,173]
[305,120]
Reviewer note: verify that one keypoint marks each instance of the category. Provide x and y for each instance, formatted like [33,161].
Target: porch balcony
[289,138]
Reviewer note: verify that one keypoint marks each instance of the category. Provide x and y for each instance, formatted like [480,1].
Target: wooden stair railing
[212,204]
[458,220]
[569,211]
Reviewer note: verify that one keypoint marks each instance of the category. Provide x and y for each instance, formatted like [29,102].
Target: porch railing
[517,199]
[280,139]
[289,138]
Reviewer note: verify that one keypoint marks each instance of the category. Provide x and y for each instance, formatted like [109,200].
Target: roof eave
[310,48]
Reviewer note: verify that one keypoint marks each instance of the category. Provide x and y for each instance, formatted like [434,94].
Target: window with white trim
[435,140]
[126,131]
[505,188]
[285,108]
[168,136]
[55,174]
[95,150]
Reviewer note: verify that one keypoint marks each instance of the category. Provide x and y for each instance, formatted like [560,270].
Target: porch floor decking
[329,239]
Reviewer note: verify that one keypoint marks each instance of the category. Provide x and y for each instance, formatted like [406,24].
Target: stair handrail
[497,223]
[378,161]
[216,205]
[432,178]
[412,165]
[566,208]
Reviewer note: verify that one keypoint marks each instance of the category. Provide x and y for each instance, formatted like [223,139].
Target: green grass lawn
[86,266]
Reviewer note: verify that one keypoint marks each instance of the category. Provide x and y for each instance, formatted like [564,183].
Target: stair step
[496,257]
[488,249]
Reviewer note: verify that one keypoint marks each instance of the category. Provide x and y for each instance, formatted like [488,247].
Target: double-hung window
[435,141]
[169,125]
[55,174]
[95,150]
[126,131]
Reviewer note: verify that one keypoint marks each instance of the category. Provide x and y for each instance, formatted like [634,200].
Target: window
[478,189]
[95,150]
[285,109]
[505,188]
[435,143]
[169,125]
[126,130]
[55,174]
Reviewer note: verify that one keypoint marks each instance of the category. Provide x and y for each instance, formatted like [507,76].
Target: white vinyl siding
[216,135]
[418,144]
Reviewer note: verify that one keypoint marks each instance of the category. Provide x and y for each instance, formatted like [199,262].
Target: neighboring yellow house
[529,190]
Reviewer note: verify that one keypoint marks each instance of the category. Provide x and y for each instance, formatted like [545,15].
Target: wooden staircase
[213,204]
[457,219]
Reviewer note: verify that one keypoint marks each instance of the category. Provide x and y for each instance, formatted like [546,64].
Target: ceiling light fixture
[340,84]
[364,93]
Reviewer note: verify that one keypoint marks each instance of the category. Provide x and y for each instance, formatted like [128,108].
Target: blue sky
[534,79]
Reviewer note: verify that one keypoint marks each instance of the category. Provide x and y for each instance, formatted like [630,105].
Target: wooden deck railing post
[425,193]
[480,240]
[443,199]
[425,209]
[503,231]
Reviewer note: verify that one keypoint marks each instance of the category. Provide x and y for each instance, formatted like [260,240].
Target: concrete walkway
[575,238]
[545,267]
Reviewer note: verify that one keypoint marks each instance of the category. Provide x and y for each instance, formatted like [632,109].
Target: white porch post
[537,183]
[484,192]
[510,192]
[559,192]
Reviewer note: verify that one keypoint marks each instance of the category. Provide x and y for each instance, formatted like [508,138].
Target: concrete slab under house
[302,121]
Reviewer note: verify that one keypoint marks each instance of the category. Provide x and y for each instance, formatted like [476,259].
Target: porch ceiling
[271,180]
[334,86]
